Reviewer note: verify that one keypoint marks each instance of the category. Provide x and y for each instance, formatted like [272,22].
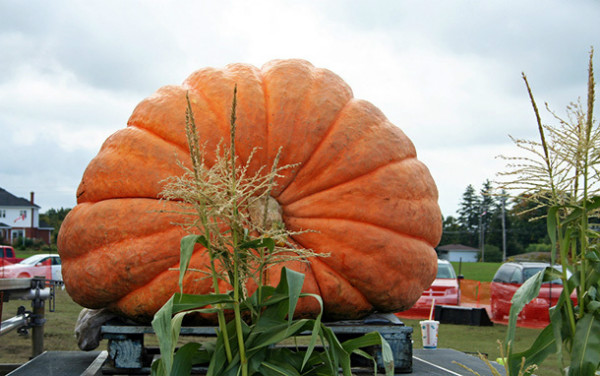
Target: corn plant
[561,173]
[235,220]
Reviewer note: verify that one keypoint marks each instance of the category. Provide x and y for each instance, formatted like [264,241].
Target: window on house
[17,233]
[2,213]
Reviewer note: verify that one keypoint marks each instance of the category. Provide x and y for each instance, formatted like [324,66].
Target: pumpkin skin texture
[359,186]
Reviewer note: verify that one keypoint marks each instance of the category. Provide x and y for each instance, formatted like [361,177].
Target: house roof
[8,199]
[457,247]
[44,225]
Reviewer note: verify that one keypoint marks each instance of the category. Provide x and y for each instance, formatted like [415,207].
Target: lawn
[477,271]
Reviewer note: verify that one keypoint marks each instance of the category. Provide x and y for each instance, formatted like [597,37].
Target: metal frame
[127,353]
[38,290]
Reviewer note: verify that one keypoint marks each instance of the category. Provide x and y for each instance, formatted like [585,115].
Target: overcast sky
[447,72]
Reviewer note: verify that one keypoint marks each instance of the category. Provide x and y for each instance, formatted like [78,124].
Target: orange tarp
[474,292]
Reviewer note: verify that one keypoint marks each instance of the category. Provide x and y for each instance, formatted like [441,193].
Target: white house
[20,217]
[458,252]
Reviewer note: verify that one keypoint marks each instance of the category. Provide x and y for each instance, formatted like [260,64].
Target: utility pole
[503,227]
[481,237]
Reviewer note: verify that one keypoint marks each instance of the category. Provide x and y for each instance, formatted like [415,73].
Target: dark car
[509,277]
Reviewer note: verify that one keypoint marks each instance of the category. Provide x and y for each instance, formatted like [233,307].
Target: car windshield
[445,271]
[530,272]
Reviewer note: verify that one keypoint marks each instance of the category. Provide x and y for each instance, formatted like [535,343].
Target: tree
[54,218]
[452,231]
[527,224]
[468,216]
[486,204]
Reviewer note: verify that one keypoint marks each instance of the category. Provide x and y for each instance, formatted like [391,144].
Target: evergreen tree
[468,217]
[451,231]
[481,214]
[528,225]
[487,207]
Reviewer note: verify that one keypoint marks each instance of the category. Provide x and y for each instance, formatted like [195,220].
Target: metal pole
[13,323]
[503,229]
[481,240]
[37,319]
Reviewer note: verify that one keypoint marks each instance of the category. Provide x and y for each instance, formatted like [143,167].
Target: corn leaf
[372,339]
[184,302]
[544,345]
[162,327]
[188,355]
[585,356]
[277,369]
[528,290]
[186,249]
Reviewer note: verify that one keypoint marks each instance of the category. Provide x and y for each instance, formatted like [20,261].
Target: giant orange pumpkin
[359,186]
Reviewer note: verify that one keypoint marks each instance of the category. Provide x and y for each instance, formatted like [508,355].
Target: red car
[7,255]
[444,289]
[509,277]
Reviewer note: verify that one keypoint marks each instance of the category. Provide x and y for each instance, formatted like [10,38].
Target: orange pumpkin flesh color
[371,203]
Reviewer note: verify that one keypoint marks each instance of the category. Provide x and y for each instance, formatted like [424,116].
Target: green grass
[29,252]
[478,271]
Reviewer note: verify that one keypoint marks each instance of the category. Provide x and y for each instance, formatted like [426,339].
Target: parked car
[7,255]
[45,265]
[509,277]
[444,289]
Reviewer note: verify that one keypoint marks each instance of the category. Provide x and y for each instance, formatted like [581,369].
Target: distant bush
[538,247]
[33,244]
[492,253]
[49,248]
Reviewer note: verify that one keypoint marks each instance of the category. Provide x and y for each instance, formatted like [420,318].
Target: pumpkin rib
[404,201]
[213,108]
[365,136]
[164,284]
[316,147]
[304,101]
[321,142]
[363,256]
[163,114]
[215,87]
[367,173]
[108,178]
[155,114]
[119,242]
[185,151]
[105,289]
[359,299]
[268,116]
[130,220]
[403,234]
[109,244]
